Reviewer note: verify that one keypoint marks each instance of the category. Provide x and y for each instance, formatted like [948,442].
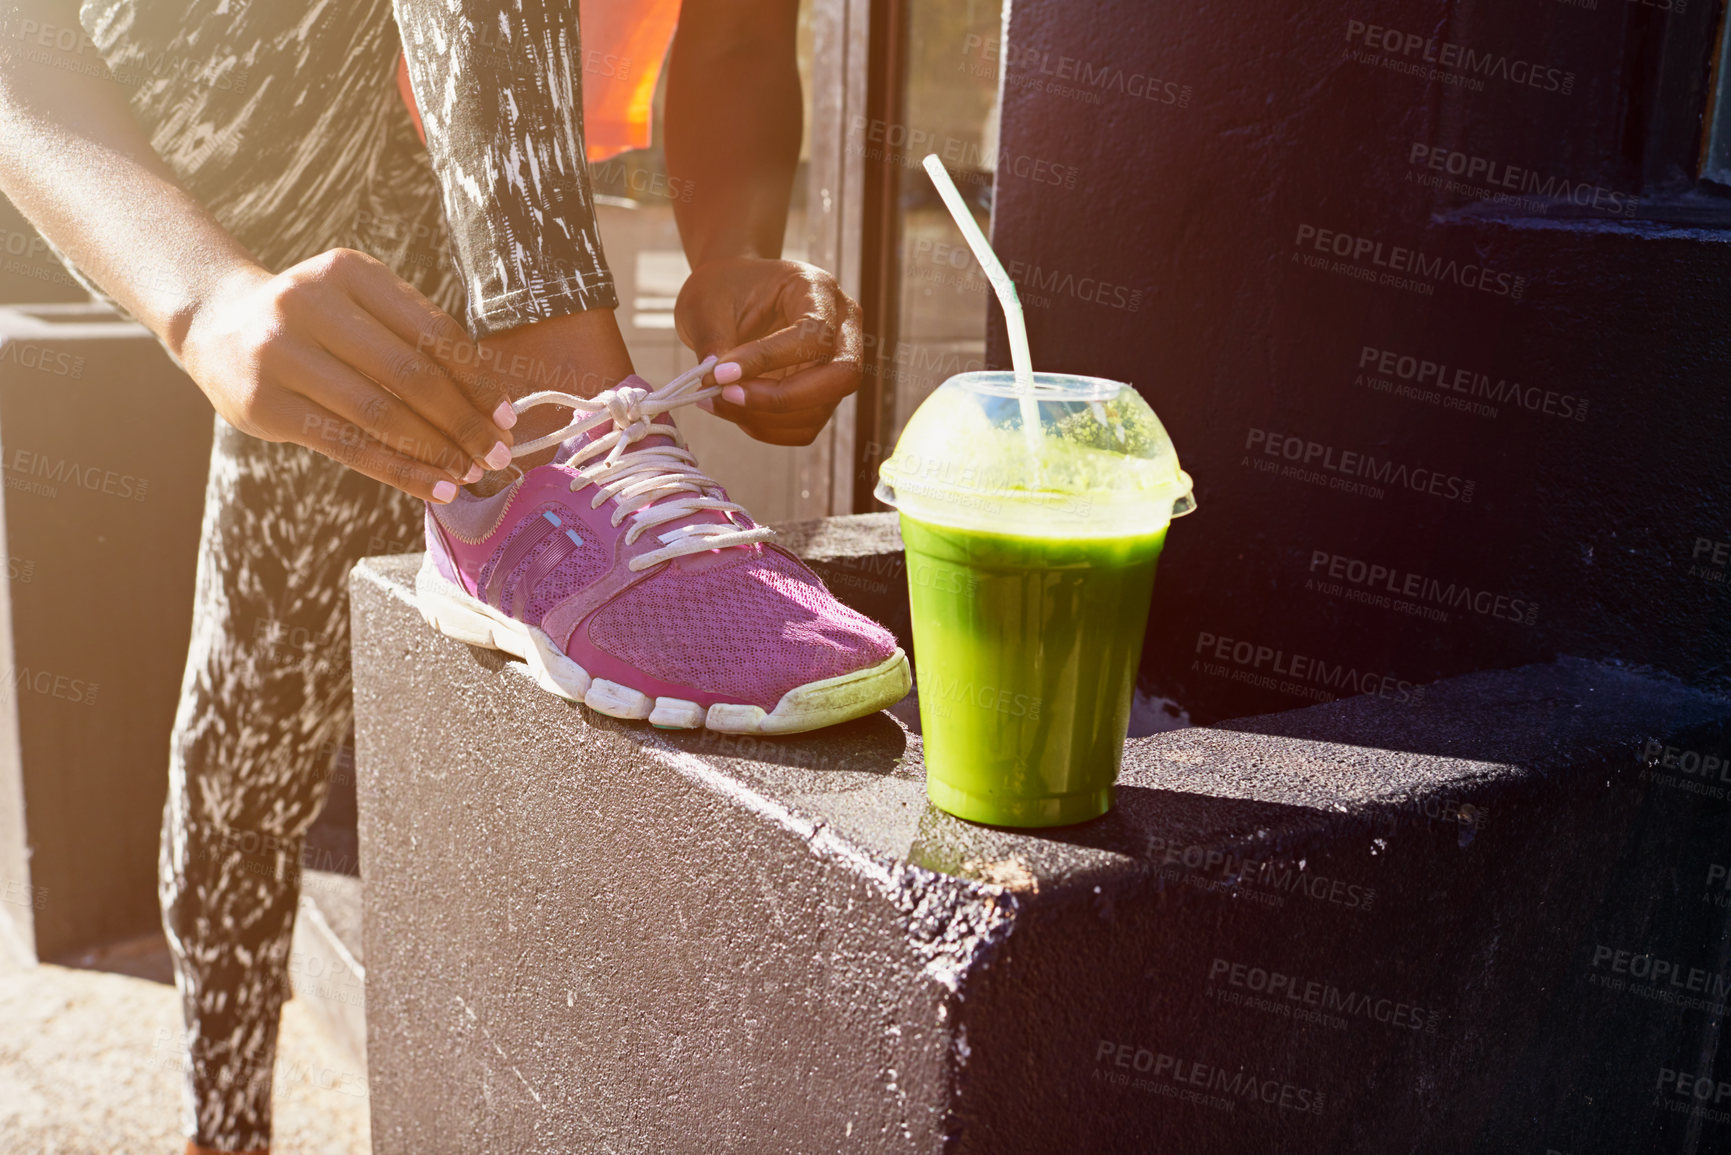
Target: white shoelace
[649,479]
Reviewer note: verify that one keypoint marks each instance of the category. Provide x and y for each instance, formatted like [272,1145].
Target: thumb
[810,328]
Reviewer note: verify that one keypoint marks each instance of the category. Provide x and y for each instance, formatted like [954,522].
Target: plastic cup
[1029,577]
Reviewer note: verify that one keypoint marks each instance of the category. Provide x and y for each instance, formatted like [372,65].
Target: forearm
[78,164]
[734,119]
[504,134]
[502,114]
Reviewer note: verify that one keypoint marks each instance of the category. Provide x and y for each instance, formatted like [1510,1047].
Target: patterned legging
[284,118]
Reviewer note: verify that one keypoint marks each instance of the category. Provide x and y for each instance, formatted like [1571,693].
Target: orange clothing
[624,46]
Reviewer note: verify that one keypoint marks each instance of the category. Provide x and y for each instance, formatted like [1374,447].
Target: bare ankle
[580,353]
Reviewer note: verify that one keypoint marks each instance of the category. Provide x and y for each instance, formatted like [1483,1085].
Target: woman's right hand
[340,355]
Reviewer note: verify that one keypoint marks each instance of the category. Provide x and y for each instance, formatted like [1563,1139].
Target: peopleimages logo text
[1371,576]
[1032,65]
[1423,373]
[1656,754]
[942,691]
[1353,463]
[1399,259]
[1663,973]
[1239,1085]
[1498,177]
[1688,1086]
[32,470]
[41,358]
[1458,58]
[1215,869]
[47,683]
[1323,996]
[1300,669]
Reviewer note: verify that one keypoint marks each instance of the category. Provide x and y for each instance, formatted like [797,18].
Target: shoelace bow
[647,480]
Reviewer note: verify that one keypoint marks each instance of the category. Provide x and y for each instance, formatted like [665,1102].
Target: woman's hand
[790,343]
[340,355]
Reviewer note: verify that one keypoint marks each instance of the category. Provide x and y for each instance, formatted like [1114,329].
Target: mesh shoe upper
[577,570]
[751,629]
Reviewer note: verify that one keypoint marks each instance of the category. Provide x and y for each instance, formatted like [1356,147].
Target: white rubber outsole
[457,614]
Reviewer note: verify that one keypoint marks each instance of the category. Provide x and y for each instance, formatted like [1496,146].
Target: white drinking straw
[1017,328]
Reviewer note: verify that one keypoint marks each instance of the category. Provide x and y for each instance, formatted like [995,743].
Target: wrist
[722,253]
[178,305]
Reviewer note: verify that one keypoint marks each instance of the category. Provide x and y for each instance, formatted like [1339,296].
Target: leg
[266,689]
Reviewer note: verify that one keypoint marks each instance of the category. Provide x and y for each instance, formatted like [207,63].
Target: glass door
[926,298]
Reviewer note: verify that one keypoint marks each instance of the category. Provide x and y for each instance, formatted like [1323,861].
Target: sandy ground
[89,1065]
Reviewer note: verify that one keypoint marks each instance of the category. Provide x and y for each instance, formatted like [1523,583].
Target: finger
[327,382]
[850,340]
[798,428]
[431,331]
[364,344]
[821,386]
[325,432]
[790,432]
[793,435]
[804,419]
[809,336]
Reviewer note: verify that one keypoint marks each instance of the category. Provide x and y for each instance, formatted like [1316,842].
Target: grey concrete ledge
[586,934]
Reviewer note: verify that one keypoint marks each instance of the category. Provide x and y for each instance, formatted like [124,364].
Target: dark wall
[1558,480]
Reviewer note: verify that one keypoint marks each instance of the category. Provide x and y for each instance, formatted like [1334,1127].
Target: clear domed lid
[1105,466]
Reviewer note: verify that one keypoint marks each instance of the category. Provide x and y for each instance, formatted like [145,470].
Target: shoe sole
[458,614]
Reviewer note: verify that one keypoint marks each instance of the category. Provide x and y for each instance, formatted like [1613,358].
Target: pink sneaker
[627,581]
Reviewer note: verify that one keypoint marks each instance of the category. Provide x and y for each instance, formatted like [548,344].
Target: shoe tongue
[568,449]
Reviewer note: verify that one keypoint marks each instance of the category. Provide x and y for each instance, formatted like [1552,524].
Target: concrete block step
[1413,923]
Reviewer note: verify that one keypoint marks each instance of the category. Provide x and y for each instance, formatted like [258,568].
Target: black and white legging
[284,118]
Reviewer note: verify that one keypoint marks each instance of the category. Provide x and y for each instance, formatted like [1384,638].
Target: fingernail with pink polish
[475,474]
[444,491]
[504,416]
[707,405]
[498,457]
[728,372]
[734,394]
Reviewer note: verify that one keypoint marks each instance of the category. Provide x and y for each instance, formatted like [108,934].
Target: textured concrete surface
[89,1066]
[859,556]
[588,934]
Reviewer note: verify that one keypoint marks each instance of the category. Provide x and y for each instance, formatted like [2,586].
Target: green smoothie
[1025,652]
[1031,554]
